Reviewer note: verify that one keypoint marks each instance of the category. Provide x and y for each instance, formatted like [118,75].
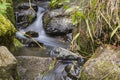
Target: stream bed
[67,66]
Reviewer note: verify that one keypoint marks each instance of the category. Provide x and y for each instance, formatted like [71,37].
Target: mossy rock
[6,27]
[104,65]
[7,31]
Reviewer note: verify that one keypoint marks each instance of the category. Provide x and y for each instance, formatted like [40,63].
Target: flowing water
[37,26]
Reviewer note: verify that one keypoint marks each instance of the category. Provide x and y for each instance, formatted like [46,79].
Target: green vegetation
[5,8]
[57,3]
[7,29]
[97,23]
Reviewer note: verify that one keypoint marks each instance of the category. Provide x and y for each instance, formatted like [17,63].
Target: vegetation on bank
[97,23]
[7,29]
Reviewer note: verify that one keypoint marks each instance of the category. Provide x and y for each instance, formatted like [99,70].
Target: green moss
[6,27]
[31,18]
[7,32]
[83,76]
[46,19]
[17,43]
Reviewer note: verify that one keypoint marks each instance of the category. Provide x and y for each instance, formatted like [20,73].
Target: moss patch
[7,31]
[7,34]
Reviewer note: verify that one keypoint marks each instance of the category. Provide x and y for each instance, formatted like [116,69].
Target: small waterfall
[37,26]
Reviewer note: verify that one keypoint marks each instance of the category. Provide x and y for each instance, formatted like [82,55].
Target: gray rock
[61,52]
[7,64]
[58,26]
[24,15]
[104,65]
[65,55]
[57,22]
[30,67]
[26,6]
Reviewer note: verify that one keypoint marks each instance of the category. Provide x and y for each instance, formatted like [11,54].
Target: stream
[59,72]
[37,26]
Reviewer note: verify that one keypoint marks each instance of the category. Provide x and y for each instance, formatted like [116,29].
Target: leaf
[69,9]
[114,31]
[67,1]
[66,7]
[77,35]
[74,20]
[3,6]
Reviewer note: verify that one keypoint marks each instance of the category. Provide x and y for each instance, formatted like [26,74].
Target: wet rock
[7,64]
[26,6]
[30,67]
[59,26]
[25,15]
[104,65]
[43,4]
[57,22]
[61,52]
[32,34]
[67,66]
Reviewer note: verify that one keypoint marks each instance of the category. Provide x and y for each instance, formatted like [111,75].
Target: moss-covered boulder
[7,31]
[104,65]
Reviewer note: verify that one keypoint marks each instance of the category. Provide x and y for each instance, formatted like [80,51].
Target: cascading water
[37,26]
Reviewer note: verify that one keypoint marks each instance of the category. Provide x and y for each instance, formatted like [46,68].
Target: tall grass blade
[76,36]
[89,30]
[114,31]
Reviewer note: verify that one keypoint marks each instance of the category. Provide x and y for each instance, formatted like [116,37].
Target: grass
[99,20]
[97,23]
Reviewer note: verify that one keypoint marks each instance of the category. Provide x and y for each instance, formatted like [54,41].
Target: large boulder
[30,67]
[104,65]
[57,22]
[25,15]
[8,65]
